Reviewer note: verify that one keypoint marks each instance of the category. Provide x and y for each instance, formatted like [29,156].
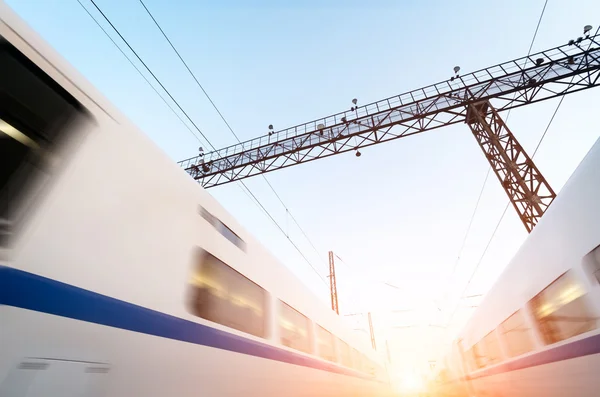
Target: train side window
[591,264]
[345,355]
[478,355]
[36,116]
[492,349]
[364,363]
[325,344]
[223,229]
[224,296]
[560,310]
[293,328]
[596,258]
[470,360]
[370,367]
[516,335]
[356,361]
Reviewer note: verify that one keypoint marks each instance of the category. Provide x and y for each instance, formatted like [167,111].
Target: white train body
[537,331]
[109,265]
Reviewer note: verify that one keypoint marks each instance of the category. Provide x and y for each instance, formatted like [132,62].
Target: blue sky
[399,212]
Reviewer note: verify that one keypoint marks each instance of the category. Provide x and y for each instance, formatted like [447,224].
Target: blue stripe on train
[33,292]
[579,348]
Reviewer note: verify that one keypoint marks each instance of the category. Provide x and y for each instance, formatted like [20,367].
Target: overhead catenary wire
[367,274]
[187,116]
[155,90]
[225,121]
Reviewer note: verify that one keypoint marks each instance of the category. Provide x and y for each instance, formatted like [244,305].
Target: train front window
[35,115]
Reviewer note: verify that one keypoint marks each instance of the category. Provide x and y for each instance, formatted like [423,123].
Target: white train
[537,331]
[120,276]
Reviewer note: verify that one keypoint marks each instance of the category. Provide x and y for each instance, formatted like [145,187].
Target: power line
[156,91]
[462,246]
[223,118]
[139,71]
[150,71]
[187,67]
[356,269]
[185,113]
[478,264]
[537,27]
[530,48]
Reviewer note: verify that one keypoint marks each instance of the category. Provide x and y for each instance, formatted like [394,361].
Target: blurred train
[120,276]
[537,331]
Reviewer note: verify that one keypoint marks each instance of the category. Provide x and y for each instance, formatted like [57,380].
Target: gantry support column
[528,191]
[333,285]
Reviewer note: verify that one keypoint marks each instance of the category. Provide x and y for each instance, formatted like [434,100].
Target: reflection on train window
[370,367]
[478,355]
[516,335]
[492,349]
[222,295]
[356,359]
[345,357]
[560,310]
[223,229]
[365,363]
[470,360]
[293,328]
[36,114]
[595,259]
[325,344]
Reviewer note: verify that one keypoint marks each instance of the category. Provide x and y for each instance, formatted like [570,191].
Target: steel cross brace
[527,189]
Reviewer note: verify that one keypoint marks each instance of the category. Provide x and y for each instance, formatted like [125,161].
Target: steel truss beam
[528,191]
[547,74]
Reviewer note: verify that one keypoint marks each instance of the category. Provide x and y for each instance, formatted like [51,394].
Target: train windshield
[35,115]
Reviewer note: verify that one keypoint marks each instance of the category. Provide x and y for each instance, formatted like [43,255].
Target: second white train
[537,331]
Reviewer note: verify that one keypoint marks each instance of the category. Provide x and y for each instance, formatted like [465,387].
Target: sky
[399,213]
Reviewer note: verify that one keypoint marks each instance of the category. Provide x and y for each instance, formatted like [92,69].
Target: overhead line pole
[333,285]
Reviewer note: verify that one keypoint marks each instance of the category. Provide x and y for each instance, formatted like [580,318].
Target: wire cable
[139,71]
[224,120]
[530,48]
[150,71]
[367,275]
[464,241]
[187,116]
[157,93]
[537,27]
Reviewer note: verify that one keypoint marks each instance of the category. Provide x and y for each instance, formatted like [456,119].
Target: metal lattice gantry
[547,74]
[528,190]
